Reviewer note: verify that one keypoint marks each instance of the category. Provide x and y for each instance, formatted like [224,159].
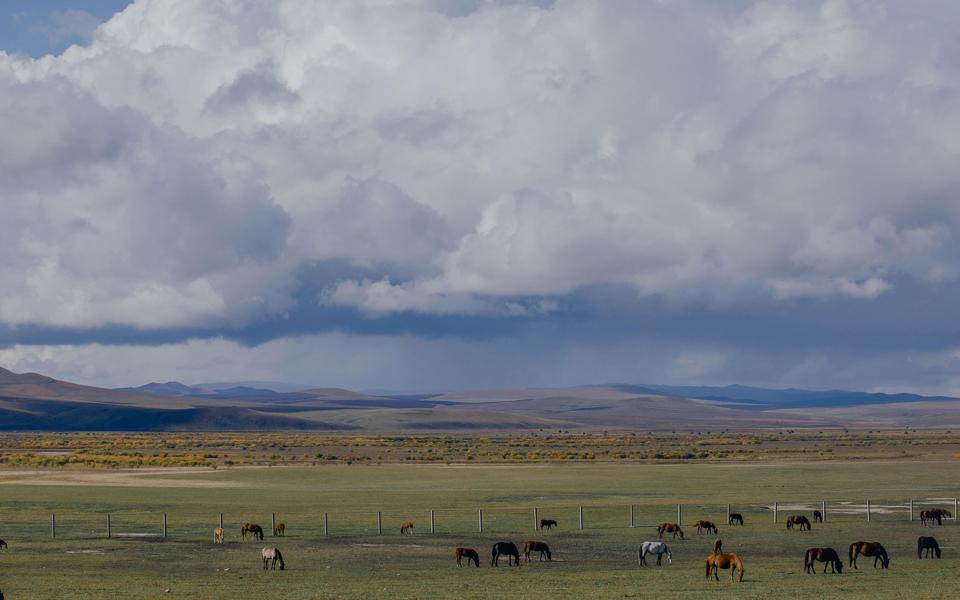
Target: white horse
[271,554]
[658,548]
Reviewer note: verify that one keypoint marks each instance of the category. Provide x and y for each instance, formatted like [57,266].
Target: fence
[495,519]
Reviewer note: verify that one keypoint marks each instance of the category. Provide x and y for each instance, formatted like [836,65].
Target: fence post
[631,516]
[868,511]
[823,510]
[221,520]
[326,524]
[480,519]
[164,525]
[679,514]
[53,525]
[108,526]
[776,509]
[581,516]
[911,509]
[536,519]
[954,509]
[379,524]
[273,523]
[433,522]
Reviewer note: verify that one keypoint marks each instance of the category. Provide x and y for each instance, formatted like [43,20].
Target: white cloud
[188,163]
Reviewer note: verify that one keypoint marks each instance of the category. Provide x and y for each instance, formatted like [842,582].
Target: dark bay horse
[824,555]
[735,519]
[547,523]
[706,525]
[508,549]
[253,529]
[533,546]
[874,549]
[934,514]
[800,520]
[469,553]
[926,546]
[669,528]
[724,560]
[817,516]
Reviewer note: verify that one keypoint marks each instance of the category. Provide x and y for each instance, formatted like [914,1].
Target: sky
[429,194]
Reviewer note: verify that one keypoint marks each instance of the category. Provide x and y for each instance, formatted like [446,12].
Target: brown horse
[934,514]
[669,528]
[724,560]
[706,525]
[926,546]
[406,527]
[218,535]
[800,520]
[828,556]
[540,547]
[817,516]
[547,523]
[279,529]
[469,553]
[508,549]
[717,546]
[874,549]
[735,519]
[252,528]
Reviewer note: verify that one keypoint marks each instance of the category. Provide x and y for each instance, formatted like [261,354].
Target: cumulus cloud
[191,163]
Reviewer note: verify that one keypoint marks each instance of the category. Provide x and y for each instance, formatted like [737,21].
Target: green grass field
[354,562]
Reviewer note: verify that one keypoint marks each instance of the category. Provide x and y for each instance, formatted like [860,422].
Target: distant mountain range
[31,401]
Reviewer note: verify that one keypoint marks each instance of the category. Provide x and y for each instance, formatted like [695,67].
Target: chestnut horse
[800,520]
[547,523]
[828,556]
[708,525]
[406,527]
[218,535]
[874,549]
[279,529]
[724,560]
[669,528]
[926,546]
[253,529]
[540,547]
[469,553]
[735,519]
[508,549]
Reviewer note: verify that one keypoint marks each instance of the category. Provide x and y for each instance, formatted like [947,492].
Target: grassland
[354,562]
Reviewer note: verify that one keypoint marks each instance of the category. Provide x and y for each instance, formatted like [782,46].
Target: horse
[735,519]
[926,546]
[724,560]
[708,525]
[540,547]
[673,528]
[547,523]
[218,535]
[717,546]
[505,548]
[874,549]
[800,520]
[658,548]
[828,556]
[817,516]
[406,527]
[279,529]
[469,553]
[3,544]
[272,554]
[934,514]
[253,529]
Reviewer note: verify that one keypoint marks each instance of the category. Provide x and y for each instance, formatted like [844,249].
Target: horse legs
[659,558]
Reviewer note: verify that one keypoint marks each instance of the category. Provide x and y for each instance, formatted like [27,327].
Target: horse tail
[806,560]
[279,558]
[852,548]
[884,557]
[493,555]
[920,547]
[640,556]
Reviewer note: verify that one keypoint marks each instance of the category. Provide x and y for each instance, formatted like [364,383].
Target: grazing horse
[828,556]
[540,547]
[717,546]
[252,529]
[547,523]
[874,549]
[724,560]
[218,535]
[469,553]
[735,519]
[708,525]
[669,528]
[817,516]
[272,554]
[279,529]
[800,520]
[934,514]
[509,549]
[658,548]
[926,546]
[3,544]
[406,527]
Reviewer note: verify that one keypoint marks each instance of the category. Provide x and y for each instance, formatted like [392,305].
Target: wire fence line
[194,524]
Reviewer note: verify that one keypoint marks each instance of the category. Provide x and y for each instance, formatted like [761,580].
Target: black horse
[926,546]
[735,519]
[547,523]
[508,549]
[817,516]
